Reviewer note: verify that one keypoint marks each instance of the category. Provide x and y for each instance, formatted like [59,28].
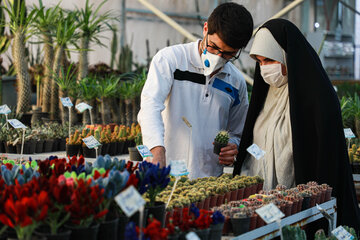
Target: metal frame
[300,219]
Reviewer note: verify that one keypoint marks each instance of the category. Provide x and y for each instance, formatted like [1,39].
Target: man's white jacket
[176,88]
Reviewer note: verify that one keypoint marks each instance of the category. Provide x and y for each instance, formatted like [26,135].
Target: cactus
[97,134]
[74,139]
[295,233]
[138,139]
[222,137]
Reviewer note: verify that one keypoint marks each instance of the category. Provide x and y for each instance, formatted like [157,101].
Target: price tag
[348,133]
[256,151]
[4,109]
[66,102]
[130,201]
[269,213]
[16,123]
[91,142]
[341,234]
[192,236]
[178,168]
[81,107]
[144,151]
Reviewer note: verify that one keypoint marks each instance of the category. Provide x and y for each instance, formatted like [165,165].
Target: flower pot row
[33,146]
[112,148]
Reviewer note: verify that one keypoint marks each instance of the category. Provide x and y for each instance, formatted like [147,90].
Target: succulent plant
[74,139]
[222,137]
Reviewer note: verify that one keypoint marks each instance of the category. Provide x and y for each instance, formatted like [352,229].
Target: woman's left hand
[228,154]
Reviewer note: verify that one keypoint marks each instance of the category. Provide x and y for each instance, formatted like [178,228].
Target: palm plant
[86,89]
[91,25]
[106,89]
[65,35]
[20,26]
[126,91]
[66,82]
[45,23]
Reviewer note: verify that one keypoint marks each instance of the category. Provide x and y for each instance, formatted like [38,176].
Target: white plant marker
[178,169]
[66,102]
[4,109]
[81,107]
[190,137]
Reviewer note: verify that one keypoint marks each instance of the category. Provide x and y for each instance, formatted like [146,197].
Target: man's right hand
[159,156]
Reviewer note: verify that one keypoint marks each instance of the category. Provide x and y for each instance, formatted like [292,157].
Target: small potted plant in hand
[133,152]
[221,140]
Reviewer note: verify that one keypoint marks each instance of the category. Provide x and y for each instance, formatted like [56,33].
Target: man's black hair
[233,23]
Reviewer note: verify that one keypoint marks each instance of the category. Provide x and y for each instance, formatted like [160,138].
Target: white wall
[140,27]
[357,42]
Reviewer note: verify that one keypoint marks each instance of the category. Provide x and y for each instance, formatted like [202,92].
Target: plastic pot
[72,149]
[90,153]
[158,212]
[108,229]
[218,146]
[240,225]
[63,234]
[216,231]
[39,146]
[134,154]
[88,233]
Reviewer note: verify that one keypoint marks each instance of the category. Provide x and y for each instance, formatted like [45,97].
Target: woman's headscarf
[319,148]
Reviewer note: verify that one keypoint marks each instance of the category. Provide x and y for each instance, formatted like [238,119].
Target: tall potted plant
[106,89]
[66,34]
[45,23]
[86,89]
[20,26]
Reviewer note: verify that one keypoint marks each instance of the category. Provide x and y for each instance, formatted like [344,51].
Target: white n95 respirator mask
[272,75]
[211,62]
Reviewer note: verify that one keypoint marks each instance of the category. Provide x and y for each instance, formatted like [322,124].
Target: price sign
[81,107]
[348,133]
[66,102]
[269,213]
[16,123]
[130,201]
[4,109]
[256,151]
[144,151]
[178,168]
[341,234]
[91,142]
[192,236]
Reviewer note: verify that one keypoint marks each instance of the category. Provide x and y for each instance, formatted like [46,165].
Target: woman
[295,117]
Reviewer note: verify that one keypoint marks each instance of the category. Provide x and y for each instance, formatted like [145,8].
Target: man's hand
[228,154]
[159,156]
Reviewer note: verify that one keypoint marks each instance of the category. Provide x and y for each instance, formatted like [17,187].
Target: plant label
[66,102]
[130,201]
[269,213]
[348,133]
[192,236]
[144,151]
[178,168]
[91,142]
[81,107]
[4,109]
[16,123]
[256,151]
[341,234]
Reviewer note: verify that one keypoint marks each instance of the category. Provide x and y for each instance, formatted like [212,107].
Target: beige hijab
[272,130]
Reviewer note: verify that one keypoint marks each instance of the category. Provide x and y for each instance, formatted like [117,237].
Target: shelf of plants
[76,197]
[300,219]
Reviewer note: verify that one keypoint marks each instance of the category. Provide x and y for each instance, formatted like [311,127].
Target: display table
[299,219]
[61,154]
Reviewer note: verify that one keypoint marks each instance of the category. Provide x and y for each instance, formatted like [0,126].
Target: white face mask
[211,62]
[272,75]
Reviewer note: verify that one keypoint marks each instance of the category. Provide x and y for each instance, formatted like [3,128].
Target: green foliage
[91,23]
[86,88]
[125,59]
[222,137]
[66,29]
[138,139]
[66,80]
[347,89]
[47,19]
[107,87]
[294,233]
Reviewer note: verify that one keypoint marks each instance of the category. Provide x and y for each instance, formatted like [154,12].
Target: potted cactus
[221,140]
[240,219]
[91,153]
[133,152]
[73,144]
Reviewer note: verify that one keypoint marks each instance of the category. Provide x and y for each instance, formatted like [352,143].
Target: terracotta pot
[207,203]
[227,226]
[227,197]
[295,206]
[253,189]
[318,198]
[328,194]
[253,221]
[240,194]
[259,187]
[300,204]
[322,198]
[220,199]
[233,195]
[288,209]
[213,201]
[247,192]
[313,200]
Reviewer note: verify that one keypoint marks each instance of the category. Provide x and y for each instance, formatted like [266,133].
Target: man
[197,81]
